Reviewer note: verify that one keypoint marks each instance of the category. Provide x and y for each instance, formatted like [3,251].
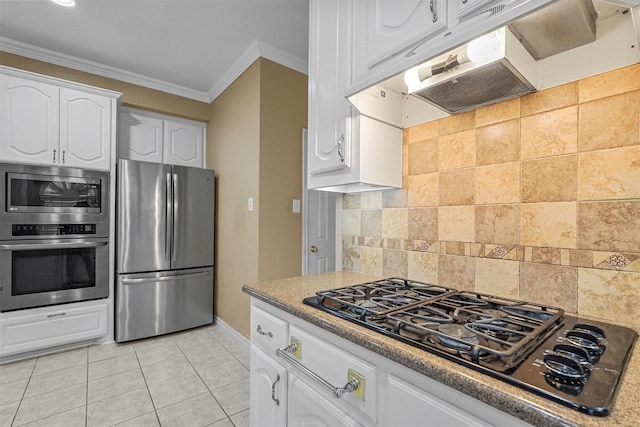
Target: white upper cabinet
[53,122]
[329,78]
[346,152]
[158,138]
[393,27]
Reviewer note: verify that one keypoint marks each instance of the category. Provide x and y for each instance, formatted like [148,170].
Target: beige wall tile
[421,132]
[549,99]
[351,201]
[626,79]
[499,112]
[351,222]
[394,263]
[371,261]
[423,224]
[456,223]
[351,258]
[497,277]
[423,157]
[555,285]
[549,134]
[580,258]
[457,187]
[457,123]
[609,226]
[423,266]
[498,143]
[548,224]
[394,199]
[405,160]
[457,150]
[612,295]
[553,179]
[394,223]
[609,174]
[456,272]
[371,200]
[497,224]
[610,122]
[371,223]
[424,190]
[498,183]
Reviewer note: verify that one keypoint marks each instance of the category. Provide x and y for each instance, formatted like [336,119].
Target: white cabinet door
[329,77]
[27,330]
[407,405]
[183,144]
[465,7]
[140,137]
[306,407]
[392,27]
[268,391]
[29,126]
[85,130]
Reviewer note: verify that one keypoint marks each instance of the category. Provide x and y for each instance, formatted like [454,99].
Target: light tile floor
[194,378]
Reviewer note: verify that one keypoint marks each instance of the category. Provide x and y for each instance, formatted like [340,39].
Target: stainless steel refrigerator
[164,259]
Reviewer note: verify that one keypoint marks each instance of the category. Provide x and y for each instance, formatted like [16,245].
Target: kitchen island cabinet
[405,373]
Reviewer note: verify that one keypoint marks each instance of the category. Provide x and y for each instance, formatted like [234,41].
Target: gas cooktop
[536,347]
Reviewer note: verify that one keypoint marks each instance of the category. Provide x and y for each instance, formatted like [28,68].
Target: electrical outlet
[353,375]
[297,347]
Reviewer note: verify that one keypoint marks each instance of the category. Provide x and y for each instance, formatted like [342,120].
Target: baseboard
[235,334]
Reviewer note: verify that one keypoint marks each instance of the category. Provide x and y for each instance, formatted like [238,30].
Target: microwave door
[144,217]
[193,221]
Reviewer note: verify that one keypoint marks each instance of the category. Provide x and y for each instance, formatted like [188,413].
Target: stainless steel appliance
[54,228]
[539,348]
[165,253]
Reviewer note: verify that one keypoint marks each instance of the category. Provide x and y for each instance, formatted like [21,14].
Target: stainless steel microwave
[44,202]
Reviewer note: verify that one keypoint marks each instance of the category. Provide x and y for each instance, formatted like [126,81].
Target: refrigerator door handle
[167,225]
[164,278]
[175,217]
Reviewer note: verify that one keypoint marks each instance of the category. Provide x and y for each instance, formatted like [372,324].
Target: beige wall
[254,143]
[536,198]
[133,95]
[283,115]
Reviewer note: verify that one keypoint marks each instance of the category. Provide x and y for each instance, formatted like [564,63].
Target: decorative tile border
[619,261]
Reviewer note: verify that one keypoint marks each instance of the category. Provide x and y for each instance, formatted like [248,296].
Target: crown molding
[73,62]
[256,50]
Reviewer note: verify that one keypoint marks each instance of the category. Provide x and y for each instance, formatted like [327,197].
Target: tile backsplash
[535,198]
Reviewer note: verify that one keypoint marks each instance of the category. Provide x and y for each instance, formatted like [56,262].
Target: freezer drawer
[150,304]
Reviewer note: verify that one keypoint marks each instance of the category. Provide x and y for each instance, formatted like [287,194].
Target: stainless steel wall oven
[54,236]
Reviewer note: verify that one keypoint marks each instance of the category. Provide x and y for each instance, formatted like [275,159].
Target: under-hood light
[65,3]
[482,50]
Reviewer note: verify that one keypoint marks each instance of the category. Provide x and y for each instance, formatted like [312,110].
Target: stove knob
[565,367]
[591,329]
[586,340]
[578,353]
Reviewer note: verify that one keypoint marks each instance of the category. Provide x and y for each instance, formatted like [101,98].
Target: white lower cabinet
[27,330]
[295,389]
[307,407]
[268,395]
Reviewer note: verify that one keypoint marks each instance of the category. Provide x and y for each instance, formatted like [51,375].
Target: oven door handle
[39,246]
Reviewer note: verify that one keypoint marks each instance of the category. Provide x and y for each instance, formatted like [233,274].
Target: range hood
[490,69]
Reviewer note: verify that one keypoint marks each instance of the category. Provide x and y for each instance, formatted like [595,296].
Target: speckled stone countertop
[287,295]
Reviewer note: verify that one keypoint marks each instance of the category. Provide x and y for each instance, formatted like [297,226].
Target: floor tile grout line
[144,378]
[15,415]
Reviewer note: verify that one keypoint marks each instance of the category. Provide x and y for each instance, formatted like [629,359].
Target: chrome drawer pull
[261,332]
[337,392]
[56,315]
[273,390]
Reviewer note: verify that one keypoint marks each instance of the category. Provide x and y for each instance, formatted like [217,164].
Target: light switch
[296,206]
[250,204]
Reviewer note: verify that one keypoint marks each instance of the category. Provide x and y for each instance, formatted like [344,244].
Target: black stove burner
[533,346]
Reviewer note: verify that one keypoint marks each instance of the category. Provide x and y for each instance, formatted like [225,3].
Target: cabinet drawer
[268,332]
[47,328]
[336,367]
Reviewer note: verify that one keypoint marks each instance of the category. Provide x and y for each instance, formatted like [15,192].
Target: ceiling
[191,48]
